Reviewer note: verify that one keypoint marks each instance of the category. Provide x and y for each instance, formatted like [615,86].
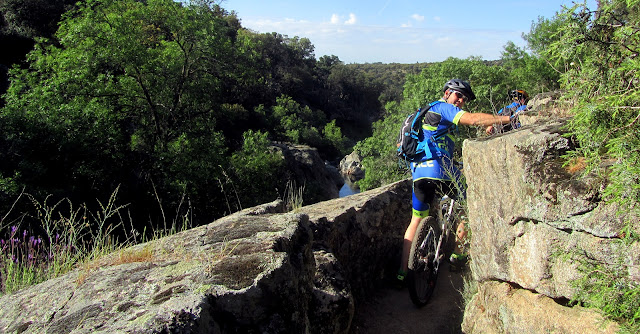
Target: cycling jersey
[512,109]
[440,120]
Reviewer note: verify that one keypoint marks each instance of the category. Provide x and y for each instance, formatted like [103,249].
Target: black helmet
[518,94]
[460,86]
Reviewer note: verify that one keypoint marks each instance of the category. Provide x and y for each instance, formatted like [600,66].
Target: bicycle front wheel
[422,275]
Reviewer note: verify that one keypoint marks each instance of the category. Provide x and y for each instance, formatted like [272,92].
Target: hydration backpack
[514,124]
[411,144]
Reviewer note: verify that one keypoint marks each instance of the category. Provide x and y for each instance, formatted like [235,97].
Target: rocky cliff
[533,220]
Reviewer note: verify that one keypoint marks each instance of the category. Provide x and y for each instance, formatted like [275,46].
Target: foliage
[155,97]
[65,237]
[333,134]
[21,22]
[391,76]
[297,123]
[132,92]
[600,51]
[378,153]
[528,71]
[32,18]
[596,52]
[258,171]
[609,288]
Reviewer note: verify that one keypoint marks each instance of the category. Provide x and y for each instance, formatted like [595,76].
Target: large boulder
[306,169]
[364,233]
[501,308]
[249,273]
[351,167]
[256,271]
[533,221]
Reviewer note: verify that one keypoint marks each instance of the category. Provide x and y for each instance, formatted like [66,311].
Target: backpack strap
[444,131]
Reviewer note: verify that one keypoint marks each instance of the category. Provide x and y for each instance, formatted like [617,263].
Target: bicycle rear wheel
[422,275]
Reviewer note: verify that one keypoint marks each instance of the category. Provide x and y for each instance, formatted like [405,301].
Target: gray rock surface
[256,271]
[351,166]
[532,222]
[500,308]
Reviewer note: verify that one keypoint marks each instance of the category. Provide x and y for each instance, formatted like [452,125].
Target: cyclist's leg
[461,231]
[422,194]
[461,238]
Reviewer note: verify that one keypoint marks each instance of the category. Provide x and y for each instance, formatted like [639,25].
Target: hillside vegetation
[169,103]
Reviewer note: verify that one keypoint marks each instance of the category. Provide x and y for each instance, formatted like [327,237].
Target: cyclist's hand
[490,130]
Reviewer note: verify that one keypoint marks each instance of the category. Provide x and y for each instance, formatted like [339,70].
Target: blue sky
[398,31]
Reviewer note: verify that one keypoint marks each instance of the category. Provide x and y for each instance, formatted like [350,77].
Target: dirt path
[391,310]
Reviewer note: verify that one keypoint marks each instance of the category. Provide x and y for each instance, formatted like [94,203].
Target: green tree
[528,71]
[21,23]
[597,54]
[333,134]
[134,91]
[258,171]
[298,123]
[378,152]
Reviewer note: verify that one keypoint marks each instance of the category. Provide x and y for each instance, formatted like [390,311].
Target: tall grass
[65,237]
[294,196]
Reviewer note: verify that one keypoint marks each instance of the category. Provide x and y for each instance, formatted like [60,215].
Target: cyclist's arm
[482,119]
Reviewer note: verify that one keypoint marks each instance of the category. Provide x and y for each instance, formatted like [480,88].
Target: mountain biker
[437,173]
[520,99]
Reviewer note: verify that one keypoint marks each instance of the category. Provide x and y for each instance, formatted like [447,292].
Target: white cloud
[417,17]
[437,18]
[352,19]
[372,43]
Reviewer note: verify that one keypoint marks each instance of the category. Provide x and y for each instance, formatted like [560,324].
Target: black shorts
[425,190]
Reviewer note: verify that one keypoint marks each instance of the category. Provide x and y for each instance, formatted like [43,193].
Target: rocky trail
[391,310]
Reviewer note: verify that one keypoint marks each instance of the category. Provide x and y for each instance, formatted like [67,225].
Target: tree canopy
[165,101]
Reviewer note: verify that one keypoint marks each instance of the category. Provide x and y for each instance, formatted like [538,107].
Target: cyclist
[436,172]
[519,99]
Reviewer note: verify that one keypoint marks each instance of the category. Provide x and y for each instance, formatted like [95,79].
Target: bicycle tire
[422,275]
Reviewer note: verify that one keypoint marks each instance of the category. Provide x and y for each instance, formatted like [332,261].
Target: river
[348,188]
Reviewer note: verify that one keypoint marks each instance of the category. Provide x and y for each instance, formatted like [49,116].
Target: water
[348,189]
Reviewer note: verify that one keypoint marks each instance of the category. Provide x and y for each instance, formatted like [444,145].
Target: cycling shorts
[430,178]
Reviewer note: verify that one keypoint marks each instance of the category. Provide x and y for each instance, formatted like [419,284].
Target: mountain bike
[428,248]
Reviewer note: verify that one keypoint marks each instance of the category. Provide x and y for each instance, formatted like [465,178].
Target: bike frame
[444,227]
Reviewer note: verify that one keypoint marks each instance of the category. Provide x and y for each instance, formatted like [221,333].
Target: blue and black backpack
[411,143]
[412,146]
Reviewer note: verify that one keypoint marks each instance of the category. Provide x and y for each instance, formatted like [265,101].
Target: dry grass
[130,256]
[576,165]
[144,254]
